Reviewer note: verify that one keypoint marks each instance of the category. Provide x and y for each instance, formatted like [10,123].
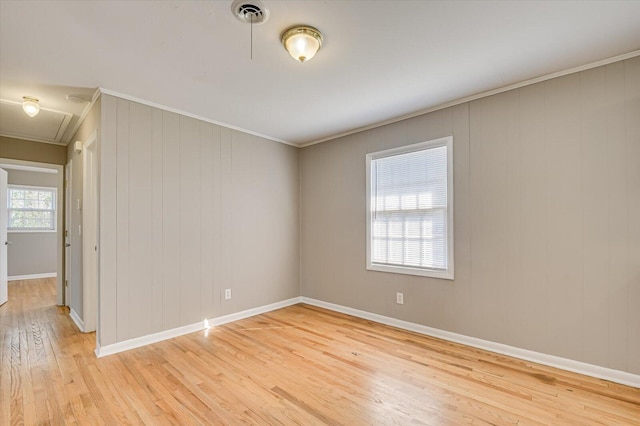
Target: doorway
[25,246]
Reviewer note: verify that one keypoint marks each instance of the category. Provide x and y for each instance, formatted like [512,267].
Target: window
[410,209]
[31,208]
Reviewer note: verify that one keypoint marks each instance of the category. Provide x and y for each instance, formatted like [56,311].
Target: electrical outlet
[400,298]
[227,294]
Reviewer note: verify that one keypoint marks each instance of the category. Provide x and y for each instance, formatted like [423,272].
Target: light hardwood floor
[298,365]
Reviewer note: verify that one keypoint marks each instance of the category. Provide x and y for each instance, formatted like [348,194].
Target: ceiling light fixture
[302,42]
[30,106]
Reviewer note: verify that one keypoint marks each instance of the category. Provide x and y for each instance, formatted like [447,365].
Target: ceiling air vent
[249,11]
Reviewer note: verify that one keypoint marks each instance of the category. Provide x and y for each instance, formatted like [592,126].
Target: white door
[4,294]
[67,232]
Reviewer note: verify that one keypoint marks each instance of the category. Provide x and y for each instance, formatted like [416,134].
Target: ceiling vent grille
[250,11]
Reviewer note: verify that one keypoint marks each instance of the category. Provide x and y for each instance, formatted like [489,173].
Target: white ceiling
[380,59]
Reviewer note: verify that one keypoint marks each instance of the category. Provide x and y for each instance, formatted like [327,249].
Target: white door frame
[60,278]
[90,242]
[4,290]
[68,179]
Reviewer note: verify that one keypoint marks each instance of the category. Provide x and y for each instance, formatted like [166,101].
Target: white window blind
[409,222]
[31,208]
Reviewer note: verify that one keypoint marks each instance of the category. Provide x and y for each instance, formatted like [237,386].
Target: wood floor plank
[301,365]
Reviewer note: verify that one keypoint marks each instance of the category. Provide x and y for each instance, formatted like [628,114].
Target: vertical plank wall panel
[169,208]
[190,215]
[347,181]
[140,219]
[595,211]
[264,205]
[632,109]
[226,238]
[534,234]
[107,324]
[440,294]
[171,220]
[122,217]
[313,194]
[247,190]
[488,202]
[564,215]
[207,227]
[618,220]
[462,210]
[157,267]
[355,209]
[513,286]
[216,195]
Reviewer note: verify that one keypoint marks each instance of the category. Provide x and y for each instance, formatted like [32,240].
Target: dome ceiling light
[30,106]
[302,42]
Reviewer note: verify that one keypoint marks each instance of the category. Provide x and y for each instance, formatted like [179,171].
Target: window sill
[406,270]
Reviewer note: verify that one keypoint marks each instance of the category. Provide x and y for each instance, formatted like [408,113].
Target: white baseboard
[612,375]
[148,339]
[76,318]
[191,328]
[253,312]
[32,276]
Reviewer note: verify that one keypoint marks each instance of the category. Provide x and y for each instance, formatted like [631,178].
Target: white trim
[188,114]
[76,319]
[90,228]
[148,339]
[480,95]
[84,114]
[32,276]
[191,328]
[28,168]
[225,319]
[36,187]
[447,274]
[32,231]
[612,375]
[452,103]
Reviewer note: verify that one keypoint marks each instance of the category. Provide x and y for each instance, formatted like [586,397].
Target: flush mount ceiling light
[30,106]
[302,42]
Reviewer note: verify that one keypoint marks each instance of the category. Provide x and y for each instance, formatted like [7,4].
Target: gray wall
[32,253]
[187,209]
[90,125]
[547,236]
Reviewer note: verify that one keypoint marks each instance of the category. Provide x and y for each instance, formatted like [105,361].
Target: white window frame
[425,272]
[54,208]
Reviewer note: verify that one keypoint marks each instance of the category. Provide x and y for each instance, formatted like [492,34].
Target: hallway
[37,340]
